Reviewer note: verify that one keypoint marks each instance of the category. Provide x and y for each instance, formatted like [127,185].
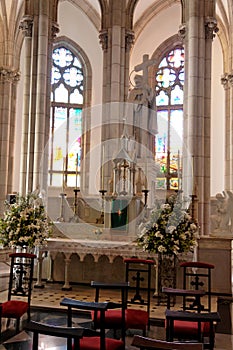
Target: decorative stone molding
[129,39]
[7,74]
[26,25]
[230,78]
[103,36]
[182,31]
[210,27]
[55,30]
[225,80]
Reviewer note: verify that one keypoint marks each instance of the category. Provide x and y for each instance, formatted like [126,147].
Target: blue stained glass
[162,99]
[169,100]
[177,95]
[67,89]
[56,75]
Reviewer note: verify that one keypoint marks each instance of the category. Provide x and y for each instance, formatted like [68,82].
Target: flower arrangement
[170,229]
[25,222]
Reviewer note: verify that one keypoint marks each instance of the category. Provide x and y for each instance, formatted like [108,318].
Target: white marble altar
[81,260]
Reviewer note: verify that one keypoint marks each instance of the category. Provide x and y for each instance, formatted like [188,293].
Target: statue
[141,111]
[143,98]
[222,220]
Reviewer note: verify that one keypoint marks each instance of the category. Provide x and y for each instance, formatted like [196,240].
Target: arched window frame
[168,178]
[85,136]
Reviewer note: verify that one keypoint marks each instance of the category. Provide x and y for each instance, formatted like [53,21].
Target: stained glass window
[169,85]
[66,118]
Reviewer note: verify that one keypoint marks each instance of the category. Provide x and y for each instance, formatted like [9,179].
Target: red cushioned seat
[196,286]
[137,271]
[20,287]
[112,318]
[14,308]
[93,343]
[181,328]
[136,319]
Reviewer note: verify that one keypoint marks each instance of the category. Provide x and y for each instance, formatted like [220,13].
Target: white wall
[160,28]
[75,25]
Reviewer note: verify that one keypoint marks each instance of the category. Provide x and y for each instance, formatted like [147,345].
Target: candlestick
[102,173]
[76,173]
[178,169]
[63,174]
[146,195]
[146,174]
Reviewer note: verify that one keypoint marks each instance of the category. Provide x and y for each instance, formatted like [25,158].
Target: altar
[82,260]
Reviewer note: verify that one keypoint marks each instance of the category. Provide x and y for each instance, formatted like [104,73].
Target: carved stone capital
[55,30]
[103,37]
[26,25]
[210,27]
[129,39]
[230,78]
[182,31]
[225,80]
[10,75]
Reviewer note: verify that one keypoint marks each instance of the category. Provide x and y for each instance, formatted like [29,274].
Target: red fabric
[14,308]
[186,328]
[206,329]
[139,261]
[136,319]
[112,318]
[93,343]
[197,264]
[22,255]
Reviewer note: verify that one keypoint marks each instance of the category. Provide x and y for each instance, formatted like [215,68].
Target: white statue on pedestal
[222,219]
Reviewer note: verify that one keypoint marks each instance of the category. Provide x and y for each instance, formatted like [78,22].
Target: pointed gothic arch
[74,108]
[169,101]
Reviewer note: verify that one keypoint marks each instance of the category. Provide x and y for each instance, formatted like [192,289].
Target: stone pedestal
[218,251]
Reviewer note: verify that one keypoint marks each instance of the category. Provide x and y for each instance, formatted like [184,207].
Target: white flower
[193,227]
[161,249]
[170,229]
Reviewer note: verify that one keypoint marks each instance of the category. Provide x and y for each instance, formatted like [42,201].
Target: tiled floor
[52,294]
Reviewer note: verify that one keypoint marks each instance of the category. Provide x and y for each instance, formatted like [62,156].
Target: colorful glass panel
[169,79]
[66,118]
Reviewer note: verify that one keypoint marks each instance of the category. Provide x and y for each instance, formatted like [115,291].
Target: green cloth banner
[119,214]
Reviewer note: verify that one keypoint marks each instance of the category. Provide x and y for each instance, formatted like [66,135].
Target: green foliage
[25,223]
[170,229]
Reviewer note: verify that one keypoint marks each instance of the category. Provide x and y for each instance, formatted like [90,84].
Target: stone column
[198,29]
[67,285]
[26,26]
[41,89]
[116,38]
[40,259]
[8,77]
[227,82]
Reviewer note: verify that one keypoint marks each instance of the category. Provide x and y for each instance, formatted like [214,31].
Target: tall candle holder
[75,218]
[145,192]
[62,208]
[101,219]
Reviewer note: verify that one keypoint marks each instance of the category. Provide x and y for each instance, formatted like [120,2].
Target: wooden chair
[137,271]
[197,275]
[96,342]
[149,343]
[70,333]
[197,324]
[20,287]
